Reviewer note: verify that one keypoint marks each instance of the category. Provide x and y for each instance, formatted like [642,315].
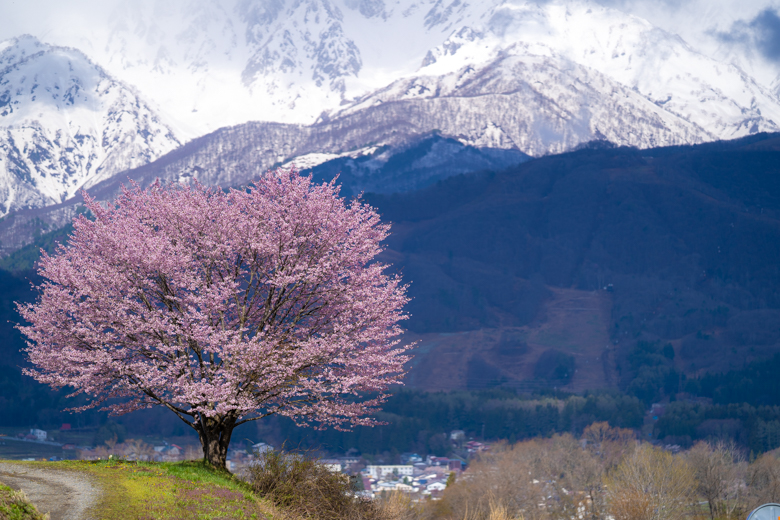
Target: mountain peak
[65,123]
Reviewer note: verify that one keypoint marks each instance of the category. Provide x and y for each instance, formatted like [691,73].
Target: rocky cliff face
[65,124]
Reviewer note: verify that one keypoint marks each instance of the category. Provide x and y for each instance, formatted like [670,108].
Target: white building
[379,472]
[436,486]
[39,435]
[333,465]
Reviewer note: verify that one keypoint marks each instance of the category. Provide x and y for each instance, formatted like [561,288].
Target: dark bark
[214,433]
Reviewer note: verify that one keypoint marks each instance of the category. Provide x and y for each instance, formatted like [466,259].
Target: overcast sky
[691,17]
[750,24]
[712,26]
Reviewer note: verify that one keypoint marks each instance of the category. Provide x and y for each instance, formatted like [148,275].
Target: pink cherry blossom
[223,306]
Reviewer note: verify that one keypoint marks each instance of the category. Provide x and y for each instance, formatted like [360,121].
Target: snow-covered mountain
[66,124]
[212,64]
[719,97]
[528,99]
[325,78]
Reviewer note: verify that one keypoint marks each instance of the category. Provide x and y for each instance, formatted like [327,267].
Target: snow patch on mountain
[310,160]
[65,125]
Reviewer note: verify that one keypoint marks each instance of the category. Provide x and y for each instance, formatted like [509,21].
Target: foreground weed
[15,506]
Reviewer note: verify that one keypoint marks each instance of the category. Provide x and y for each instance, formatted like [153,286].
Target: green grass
[168,491]
[14,506]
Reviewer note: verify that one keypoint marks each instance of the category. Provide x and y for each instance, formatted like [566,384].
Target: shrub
[301,485]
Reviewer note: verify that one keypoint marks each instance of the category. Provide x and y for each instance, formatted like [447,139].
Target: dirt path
[65,495]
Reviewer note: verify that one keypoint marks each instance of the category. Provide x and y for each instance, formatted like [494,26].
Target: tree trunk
[214,433]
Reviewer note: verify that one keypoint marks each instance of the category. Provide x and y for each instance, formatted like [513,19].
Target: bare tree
[606,447]
[503,481]
[609,445]
[572,478]
[719,471]
[651,484]
[763,480]
[138,449]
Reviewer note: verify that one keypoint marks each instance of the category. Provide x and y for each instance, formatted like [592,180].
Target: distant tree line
[757,384]
[757,428]
[421,422]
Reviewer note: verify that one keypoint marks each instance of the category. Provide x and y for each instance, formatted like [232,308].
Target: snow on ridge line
[310,160]
[628,70]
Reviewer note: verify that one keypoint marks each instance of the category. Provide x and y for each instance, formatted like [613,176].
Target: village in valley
[420,477]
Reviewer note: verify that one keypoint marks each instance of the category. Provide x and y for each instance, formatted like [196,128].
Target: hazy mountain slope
[508,269]
[66,124]
[417,164]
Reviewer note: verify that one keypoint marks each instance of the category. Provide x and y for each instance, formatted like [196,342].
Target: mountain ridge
[539,79]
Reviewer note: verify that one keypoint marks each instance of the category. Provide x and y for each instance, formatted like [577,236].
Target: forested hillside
[671,252]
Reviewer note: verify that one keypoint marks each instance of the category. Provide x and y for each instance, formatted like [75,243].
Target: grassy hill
[145,490]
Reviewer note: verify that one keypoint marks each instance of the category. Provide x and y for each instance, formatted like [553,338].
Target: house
[406,488]
[410,458]
[38,435]
[657,410]
[398,470]
[476,447]
[437,461]
[436,486]
[383,486]
[436,470]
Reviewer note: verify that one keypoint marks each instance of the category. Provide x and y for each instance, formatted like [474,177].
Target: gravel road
[65,495]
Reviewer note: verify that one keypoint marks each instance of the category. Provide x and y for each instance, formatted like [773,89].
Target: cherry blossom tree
[222,306]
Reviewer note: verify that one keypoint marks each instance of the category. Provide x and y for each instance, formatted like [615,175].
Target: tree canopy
[223,306]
